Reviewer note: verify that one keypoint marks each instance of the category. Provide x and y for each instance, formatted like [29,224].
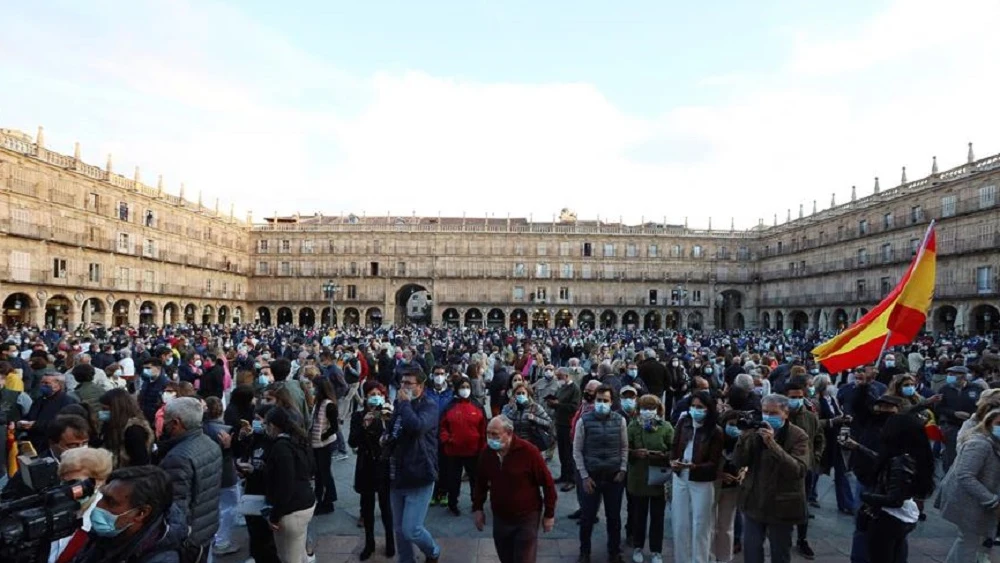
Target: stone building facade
[85,244]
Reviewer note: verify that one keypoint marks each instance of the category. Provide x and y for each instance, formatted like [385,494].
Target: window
[914,246]
[94,272]
[696,250]
[609,250]
[307,246]
[588,250]
[124,244]
[286,246]
[822,237]
[916,214]
[541,270]
[208,285]
[305,268]
[863,227]
[123,210]
[93,233]
[352,268]
[652,296]
[696,295]
[373,268]
[609,271]
[93,201]
[862,256]
[400,268]
[840,232]
[149,280]
[676,296]
[150,219]
[948,205]
[566,271]
[791,268]
[654,251]
[124,277]
[519,270]
[885,285]
[987,196]
[887,220]
[518,249]
[149,248]
[675,251]
[743,253]
[564,248]
[352,291]
[542,249]
[377,246]
[225,289]
[984,279]
[59,268]
[781,245]
[262,268]
[585,272]
[630,250]
[540,294]
[285,269]
[860,289]
[262,246]
[518,293]
[887,252]
[802,267]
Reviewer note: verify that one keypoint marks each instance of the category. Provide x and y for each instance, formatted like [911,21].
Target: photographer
[773,492]
[135,521]
[371,470]
[81,463]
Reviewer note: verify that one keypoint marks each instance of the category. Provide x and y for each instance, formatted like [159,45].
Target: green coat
[774,491]
[658,439]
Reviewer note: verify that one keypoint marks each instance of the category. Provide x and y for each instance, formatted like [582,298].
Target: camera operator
[67,431]
[773,496]
[81,463]
[135,520]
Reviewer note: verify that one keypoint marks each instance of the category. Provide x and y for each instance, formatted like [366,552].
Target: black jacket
[43,411]
[654,375]
[288,473]
[159,543]
[194,463]
[212,382]
[371,471]
[893,484]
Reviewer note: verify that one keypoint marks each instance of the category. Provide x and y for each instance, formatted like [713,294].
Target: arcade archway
[263,316]
[413,305]
[119,313]
[799,320]
[285,316]
[652,321]
[630,319]
[540,318]
[586,320]
[564,319]
[93,311]
[609,319]
[944,318]
[985,320]
[189,313]
[325,319]
[518,319]
[495,318]
[17,309]
[474,317]
[373,317]
[307,317]
[170,315]
[450,317]
[57,310]
[727,304]
[147,313]
[352,317]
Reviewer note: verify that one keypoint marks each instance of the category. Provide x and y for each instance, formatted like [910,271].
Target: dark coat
[194,463]
[43,411]
[414,434]
[654,374]
[774,488]
[159,543]
[706,453]
[371,469]
[288,473]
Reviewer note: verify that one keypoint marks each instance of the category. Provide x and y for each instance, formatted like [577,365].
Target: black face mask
[589,397]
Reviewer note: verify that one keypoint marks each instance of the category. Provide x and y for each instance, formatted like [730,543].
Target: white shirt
[58,546]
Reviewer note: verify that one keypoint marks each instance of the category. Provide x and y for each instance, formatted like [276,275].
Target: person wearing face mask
[544,388]
[52,398]
[958,402]
[323,434]
[772,496]
[78,464]
[695,457]
[649,440]
[153,383]
[531,420]
[652,373]
[194,463]
[521,491]
[727,539]
[800,415]
[172,391]
[288,470]
[831,419]
[371,470]
[441,394]
[600,451]
[889,369]
[134,521]
[14,405]
[681,407]
[462,437]
[124,431]
[564,404]
[250,450]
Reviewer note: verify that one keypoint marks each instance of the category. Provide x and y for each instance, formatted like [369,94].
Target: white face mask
[464,392]
[439,380]
[168,396]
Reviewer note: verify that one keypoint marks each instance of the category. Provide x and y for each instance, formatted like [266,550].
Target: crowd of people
[188,430]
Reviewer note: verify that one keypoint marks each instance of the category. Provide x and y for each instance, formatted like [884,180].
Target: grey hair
[773,399]
[85,358]
[59,377]
[822,379]
[506,423]
[574,362]
[562,371]
[743,381]
[125,352]
[188,410]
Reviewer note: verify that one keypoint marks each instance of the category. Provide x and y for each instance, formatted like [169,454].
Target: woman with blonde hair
[76,464]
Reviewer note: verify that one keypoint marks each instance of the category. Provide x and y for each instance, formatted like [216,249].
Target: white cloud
[837,111]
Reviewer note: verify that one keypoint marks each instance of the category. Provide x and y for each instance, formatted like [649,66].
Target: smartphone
[844,435]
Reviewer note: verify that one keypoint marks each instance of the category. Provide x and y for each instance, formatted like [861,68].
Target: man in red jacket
[515,470]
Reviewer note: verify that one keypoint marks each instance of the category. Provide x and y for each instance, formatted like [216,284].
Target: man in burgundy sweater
[516,472]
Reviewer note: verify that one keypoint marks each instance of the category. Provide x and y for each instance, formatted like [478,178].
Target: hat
[958,370]
[890,400]
[628,389]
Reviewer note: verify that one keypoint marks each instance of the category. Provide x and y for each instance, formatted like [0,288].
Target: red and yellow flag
[11,451]
[896,320]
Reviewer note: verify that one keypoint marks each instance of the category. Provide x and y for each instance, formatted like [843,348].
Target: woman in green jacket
[649,441]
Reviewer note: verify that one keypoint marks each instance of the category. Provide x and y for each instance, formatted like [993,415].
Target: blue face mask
[708,371]
[494,443]
[46,390]
[258,426]
[697,414]
[262,380]
[996,431]
[632,373]
[602,408]
[376,401]
[521,399]
[795,404]
[147,373]
[774,420]
[909,390]
[732,431]
[951,379]
[104,416]
[628,404]
[170,361]
[104,524]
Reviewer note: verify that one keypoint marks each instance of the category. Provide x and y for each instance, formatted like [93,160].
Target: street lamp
[330,290]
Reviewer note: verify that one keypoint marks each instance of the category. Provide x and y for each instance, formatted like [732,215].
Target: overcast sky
[636,109]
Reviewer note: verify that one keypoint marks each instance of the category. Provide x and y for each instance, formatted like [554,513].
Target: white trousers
[692,515]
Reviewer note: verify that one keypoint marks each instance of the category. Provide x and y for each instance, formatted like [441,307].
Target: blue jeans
[409,510]
[841,484]
[859,543]
[611,493]
[229,497]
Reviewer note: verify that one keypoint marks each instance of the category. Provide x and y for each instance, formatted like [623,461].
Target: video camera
[29,524]
[750,420]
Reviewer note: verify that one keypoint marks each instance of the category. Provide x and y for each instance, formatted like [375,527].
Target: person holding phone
[649,441]
[695,457]
[251,449]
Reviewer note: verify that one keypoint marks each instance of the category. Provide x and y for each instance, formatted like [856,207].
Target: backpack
[542,438]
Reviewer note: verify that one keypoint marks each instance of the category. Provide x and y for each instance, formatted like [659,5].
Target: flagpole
[885,344]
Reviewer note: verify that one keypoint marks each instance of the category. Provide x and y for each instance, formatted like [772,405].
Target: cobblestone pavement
[340,540]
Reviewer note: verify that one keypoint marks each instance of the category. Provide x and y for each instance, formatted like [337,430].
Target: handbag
[657,475]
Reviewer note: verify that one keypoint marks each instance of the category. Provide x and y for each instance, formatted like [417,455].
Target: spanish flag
[896,320]
[11,451]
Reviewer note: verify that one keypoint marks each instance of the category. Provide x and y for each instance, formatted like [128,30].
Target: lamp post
[330,290]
